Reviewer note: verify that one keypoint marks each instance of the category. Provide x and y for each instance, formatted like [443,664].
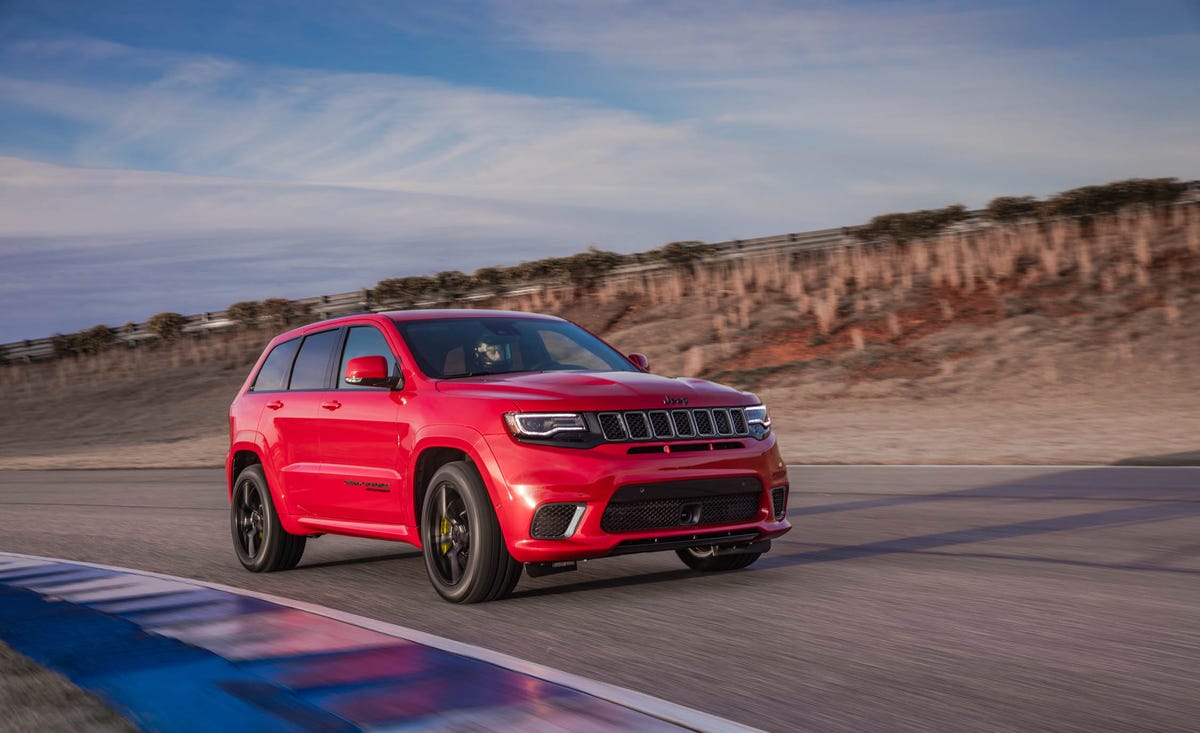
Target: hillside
[1068,341]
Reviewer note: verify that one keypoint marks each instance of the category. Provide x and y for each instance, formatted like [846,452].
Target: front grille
[686,424]
[779,501]
[679,512]
[552,521]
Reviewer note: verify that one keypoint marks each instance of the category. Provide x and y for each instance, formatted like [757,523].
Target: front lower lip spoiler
[745,539]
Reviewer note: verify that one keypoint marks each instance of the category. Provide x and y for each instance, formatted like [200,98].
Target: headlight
[758,421]
[544,425]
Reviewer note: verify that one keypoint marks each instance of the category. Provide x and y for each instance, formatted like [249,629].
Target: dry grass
[843,293]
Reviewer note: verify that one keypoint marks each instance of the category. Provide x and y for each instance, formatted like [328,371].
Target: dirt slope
[1069,342]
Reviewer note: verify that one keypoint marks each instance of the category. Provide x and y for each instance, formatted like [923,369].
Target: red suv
[497,442]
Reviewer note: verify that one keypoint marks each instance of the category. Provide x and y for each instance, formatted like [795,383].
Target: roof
[426,315]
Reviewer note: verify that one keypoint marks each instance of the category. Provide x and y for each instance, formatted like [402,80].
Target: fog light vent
[779,501]
[556,521]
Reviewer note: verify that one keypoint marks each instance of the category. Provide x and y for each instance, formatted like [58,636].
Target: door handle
[275,404]
[331,405]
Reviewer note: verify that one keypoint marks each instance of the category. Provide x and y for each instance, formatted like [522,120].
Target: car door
[293,419]
[360,438]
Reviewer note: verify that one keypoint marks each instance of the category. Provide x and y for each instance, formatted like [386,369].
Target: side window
[568,352]
[312,363]
[364,341]
[274,373]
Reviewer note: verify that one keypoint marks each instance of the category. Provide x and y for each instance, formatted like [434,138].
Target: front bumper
[535,475]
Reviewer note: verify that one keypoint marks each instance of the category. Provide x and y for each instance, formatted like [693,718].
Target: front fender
[472,443]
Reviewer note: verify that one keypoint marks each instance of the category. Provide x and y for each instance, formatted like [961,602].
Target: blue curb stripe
[171,656]
[156,682]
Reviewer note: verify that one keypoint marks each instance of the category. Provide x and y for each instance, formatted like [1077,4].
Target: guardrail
[329,306]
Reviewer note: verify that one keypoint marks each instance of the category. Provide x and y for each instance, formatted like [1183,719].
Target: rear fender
[254,442]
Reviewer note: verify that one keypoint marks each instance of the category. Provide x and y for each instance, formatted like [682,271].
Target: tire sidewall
[251,479]
[483,528]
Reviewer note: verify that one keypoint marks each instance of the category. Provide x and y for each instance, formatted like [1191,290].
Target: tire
[465,555]
[705,559]
[260,541]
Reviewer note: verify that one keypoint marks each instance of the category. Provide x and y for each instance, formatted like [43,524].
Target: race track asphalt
[905,598]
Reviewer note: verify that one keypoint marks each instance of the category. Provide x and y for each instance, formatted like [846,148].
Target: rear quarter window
[273,375]
[312,363]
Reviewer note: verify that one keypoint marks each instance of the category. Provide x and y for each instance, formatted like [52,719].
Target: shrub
[168,327]
[1011,208]
[586,268]
[403,289]
[682,254]
[549,268]
[491,279]
[1109,198]
[450,283]
[281,311]
[901,227]
[244,313]
[89,341]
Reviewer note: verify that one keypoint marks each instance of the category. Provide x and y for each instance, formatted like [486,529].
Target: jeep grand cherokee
[497,442]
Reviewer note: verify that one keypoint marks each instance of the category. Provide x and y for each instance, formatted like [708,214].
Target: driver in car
[492,357]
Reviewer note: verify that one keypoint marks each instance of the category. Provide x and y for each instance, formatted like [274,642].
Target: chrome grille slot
[721,421]
[682,420]
[660,422]
[637,425]
[703,420]
[738,418]
[612,426]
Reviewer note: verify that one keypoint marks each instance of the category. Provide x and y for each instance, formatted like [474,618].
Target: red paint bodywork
[344,462]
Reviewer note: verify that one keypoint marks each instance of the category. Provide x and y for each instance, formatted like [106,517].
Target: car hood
[534,391]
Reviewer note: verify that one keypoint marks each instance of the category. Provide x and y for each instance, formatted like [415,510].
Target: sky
[183,156]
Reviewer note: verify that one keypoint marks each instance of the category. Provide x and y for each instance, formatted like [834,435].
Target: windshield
[445,348]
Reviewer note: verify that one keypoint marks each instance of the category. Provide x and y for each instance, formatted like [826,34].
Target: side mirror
[640,361]
[369,371]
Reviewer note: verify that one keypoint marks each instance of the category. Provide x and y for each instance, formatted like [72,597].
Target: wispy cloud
[731,38]
[885,78]
[699,120]
[215,117]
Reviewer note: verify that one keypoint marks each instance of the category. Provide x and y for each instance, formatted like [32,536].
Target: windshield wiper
[462,375]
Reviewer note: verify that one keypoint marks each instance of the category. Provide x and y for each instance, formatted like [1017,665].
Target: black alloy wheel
[465,555]
[453,534]
[260,541]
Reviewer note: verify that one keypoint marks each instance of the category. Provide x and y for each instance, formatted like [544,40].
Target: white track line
[641,702]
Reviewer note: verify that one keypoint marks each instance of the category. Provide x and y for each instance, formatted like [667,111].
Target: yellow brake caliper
[445,527]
